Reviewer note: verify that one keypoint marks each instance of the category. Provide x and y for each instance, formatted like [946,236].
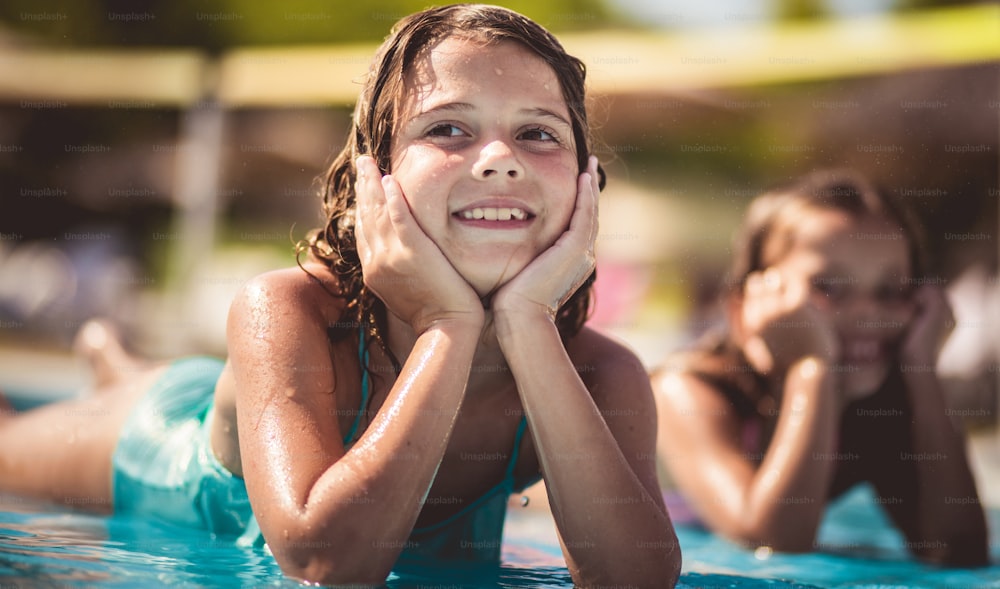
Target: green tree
[219,24]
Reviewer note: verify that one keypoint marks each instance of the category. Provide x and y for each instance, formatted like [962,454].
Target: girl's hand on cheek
[400,263]
[552,278]
[781,324]
[930,326]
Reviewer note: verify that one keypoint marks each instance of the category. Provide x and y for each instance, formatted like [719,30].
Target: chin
[864,381]
[486,278]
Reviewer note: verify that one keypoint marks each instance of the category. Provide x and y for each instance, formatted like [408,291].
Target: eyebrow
[466,107]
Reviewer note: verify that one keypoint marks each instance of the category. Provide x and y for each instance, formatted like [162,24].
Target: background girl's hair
[773,215]
[373,125]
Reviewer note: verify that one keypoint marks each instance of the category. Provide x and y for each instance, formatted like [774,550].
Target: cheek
[565,180]
[901,313]
[423,175]
[823,303]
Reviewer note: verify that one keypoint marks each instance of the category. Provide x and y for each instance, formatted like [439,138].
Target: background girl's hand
[930,326]
[551,278]
[781,323]
[400,263]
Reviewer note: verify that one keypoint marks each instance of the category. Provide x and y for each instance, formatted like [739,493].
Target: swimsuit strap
[363,356]
[521,427]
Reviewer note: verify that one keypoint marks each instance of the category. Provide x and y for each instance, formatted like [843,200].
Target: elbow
[672,564]
[963,549]
[659,565]
[946,556]
[791,544]
[665,559]
[960,540]
[323,568]
[319,559]
[793,539]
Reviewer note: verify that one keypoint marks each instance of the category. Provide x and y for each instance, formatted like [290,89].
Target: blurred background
[154,158]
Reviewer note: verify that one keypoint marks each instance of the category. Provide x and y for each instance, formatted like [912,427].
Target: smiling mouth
[494,214]
[864,351]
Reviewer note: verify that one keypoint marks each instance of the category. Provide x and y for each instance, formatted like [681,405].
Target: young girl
[824,379]
[425,361]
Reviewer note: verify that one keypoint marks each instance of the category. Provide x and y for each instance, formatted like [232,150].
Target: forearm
[785,500]
[360,511]
[613,530]
[951,526]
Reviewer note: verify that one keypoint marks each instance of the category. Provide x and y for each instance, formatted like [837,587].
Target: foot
[100,344]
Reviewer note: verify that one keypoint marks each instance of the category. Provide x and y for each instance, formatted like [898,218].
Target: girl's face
[859,274]
[484,154]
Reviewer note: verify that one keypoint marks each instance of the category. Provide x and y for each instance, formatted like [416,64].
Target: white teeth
[495,214]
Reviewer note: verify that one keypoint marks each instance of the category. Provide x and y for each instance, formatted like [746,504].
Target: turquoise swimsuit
[164,467]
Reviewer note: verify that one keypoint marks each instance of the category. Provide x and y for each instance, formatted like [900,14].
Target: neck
[489,371]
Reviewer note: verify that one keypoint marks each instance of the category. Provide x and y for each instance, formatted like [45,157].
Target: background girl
[825,378]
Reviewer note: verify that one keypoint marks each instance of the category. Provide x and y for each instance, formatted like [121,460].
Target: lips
[864,350]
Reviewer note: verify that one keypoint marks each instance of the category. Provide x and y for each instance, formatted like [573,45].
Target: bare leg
[61,452]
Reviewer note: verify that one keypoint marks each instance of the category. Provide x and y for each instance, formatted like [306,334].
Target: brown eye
[445,130]
[833,288]
[892,294]
[538,134]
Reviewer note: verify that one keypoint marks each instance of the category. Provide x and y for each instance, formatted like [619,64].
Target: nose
[497,160]
[872,315]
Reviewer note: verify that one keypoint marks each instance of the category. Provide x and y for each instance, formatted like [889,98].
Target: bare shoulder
[309,290]
[690,405]
[605,364]
[279,324]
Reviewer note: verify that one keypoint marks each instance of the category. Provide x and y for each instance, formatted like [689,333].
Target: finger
[771,280]
[928,295]
[397,209]
[594,175]
[369,196]
[360,205]
[595,191]
[584,220]
[932,301]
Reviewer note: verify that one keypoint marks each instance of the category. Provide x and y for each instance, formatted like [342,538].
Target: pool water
[45,546]
[856,547]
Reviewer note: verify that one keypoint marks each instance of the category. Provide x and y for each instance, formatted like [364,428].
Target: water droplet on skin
[525,500]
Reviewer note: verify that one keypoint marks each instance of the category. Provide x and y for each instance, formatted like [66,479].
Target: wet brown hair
[374,124]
